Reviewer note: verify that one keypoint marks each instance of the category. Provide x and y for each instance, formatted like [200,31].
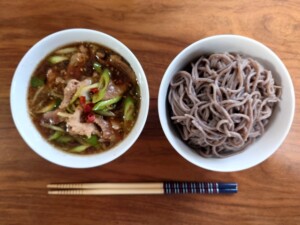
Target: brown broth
[56,76]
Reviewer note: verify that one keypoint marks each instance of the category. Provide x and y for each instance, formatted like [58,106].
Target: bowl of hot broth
[226,103]
[79,98]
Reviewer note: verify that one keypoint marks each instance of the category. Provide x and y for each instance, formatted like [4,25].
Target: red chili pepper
[90,118]
[88,107]
[82,100]
[94,90]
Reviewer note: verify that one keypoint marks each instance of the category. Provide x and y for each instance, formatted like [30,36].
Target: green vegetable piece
[64,139]
[102,105]
[97,67]
[55,135]
[70,108]
[63,114]
[52,127]
[57,59]
[48,107]
[37,93]
[81,91]
[129,109]
[80,148]
[93,140]
[54,94]
[103,84]
[105,113]
[137,91]
[36,82]
[66,50]
[57,103]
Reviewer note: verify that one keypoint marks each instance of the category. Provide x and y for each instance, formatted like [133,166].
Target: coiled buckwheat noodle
[223,104]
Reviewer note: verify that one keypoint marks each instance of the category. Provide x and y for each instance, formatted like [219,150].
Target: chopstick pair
[143,188]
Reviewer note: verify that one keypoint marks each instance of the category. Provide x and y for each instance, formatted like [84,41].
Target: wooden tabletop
[156,31]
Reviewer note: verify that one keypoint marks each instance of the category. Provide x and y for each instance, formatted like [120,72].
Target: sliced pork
[114,90]
[77,65]
[105,126]
[76,127]
[71,89]
[52,117]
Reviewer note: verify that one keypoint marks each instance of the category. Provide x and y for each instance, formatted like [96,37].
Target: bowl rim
[162,99]
[60,157]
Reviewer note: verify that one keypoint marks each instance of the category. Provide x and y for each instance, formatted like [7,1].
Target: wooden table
[155,31]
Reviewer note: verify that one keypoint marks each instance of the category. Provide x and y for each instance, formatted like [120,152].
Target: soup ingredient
[76,98]
[36,82]
[66,50]
[55,135]
[129,109]
[223,103]
[57,59]
[102,86]
[106,104]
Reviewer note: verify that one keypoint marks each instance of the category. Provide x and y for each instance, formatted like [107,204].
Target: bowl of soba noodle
[226,103]
[79,98]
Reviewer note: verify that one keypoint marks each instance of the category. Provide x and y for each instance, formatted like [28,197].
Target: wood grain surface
[155,31]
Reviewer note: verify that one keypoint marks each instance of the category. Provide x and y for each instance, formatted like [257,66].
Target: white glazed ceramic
[276,130]
[19,94]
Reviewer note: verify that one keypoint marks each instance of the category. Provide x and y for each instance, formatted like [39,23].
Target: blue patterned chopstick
[200,188]
[143,188]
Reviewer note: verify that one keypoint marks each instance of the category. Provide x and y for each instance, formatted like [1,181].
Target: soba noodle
[223,104]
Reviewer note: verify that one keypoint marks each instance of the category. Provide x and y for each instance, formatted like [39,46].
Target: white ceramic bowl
[276,130]
[18,98]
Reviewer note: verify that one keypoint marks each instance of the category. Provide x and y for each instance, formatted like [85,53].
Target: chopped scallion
[36,82]
[57,59]
[102,105]
[80,148]
[129,109]
[66,50]
[97,67]
[55,135]
[103,84]
[52,127]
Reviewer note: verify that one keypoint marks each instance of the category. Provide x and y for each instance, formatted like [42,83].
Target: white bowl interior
[19,90]
[276,130]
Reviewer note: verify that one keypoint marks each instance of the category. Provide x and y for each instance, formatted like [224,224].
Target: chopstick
[143,188]
[106,185]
